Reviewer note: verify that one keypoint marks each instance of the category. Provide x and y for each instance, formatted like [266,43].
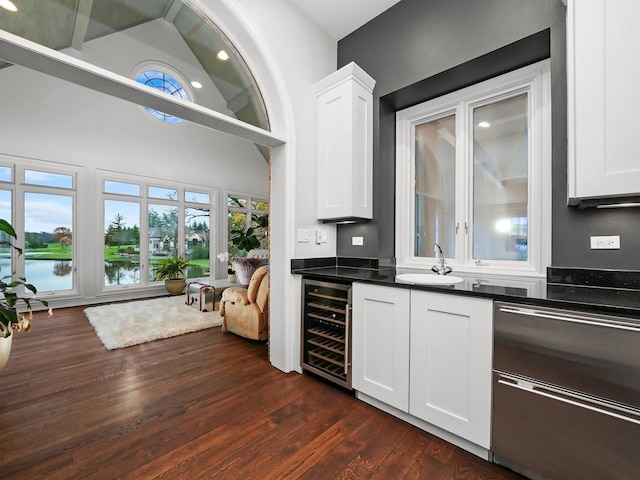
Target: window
[247,218]
[122,242]
[6,213]
[177,222]
[166,83]
[473,175]
[42,205]
[6,174]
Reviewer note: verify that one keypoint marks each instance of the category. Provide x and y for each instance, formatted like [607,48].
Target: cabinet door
[451,348]
[602,38]
[345,147]
[380,355]
[334,153]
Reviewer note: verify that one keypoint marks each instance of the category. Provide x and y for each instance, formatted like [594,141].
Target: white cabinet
[344,102]
[428,355]
[450,363]
[603,100]
[380,351]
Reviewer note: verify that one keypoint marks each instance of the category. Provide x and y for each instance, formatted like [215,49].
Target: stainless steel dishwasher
[566,394]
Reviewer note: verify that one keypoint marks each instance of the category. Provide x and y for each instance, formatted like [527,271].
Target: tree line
[61,235]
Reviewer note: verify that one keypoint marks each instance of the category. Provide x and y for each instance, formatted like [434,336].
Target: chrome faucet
[440,269]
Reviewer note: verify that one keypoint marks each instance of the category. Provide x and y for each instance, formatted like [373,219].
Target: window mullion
[464,192]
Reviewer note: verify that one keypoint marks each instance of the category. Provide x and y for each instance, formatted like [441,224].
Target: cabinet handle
[582,321]
[527,387]
[347,339]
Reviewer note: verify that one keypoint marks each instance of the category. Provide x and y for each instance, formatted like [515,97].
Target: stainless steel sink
[428,279]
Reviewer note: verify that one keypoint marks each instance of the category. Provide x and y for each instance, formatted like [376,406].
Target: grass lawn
[53,251]
[111,254]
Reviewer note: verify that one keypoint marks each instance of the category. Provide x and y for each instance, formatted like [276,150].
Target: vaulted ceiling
[69,24]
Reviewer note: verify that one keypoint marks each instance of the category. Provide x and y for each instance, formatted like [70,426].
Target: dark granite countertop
[595,291]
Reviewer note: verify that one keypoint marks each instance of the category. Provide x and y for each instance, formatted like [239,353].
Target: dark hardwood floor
[198,406]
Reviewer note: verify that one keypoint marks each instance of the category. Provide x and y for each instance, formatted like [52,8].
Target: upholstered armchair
[245,310]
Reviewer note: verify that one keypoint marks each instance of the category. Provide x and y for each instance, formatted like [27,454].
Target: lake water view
[46,275]
[55,275]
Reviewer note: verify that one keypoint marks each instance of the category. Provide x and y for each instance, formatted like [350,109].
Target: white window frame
[248,211]
[19,188]
[171,71]
[535,81]
[144,200]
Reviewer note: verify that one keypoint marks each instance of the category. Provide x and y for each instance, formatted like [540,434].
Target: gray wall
[417,39]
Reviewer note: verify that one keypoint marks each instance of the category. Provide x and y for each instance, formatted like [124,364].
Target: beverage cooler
[326,330]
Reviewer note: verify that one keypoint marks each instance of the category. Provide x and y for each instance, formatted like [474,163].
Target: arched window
[166,83]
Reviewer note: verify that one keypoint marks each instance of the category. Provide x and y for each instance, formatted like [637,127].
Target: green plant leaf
[7,228]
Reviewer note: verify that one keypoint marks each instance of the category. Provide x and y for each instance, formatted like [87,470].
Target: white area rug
[122,325]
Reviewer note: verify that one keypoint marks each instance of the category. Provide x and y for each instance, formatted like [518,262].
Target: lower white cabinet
[450,363]
[380,339]
[426,354]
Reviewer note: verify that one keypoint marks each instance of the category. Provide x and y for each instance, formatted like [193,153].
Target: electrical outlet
[357,240]
[611,242]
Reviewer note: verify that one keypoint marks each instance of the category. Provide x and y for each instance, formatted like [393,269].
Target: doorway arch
[230,18]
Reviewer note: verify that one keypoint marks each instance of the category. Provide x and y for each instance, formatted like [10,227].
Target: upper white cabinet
[345,144]
[603,39]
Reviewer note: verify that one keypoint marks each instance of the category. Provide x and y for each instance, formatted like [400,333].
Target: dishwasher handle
[565,318]
[627,413]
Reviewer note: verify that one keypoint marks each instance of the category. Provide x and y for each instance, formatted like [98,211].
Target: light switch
[302,235]
[321,236]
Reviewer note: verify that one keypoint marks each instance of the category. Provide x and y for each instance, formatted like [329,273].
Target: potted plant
[226,258]
[15,311]
[249,239]
[231,274]
[172,270]
[245,240]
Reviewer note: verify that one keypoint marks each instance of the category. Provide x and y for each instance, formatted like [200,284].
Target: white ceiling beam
[172,11]
[83,14]
[19,51]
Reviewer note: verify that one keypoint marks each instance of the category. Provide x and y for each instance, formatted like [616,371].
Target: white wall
[304,54]
[287,53]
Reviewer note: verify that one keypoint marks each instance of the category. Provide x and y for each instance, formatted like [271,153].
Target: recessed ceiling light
[503,225]
[222,55]
[484,124]
[196,84]
[8,5]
